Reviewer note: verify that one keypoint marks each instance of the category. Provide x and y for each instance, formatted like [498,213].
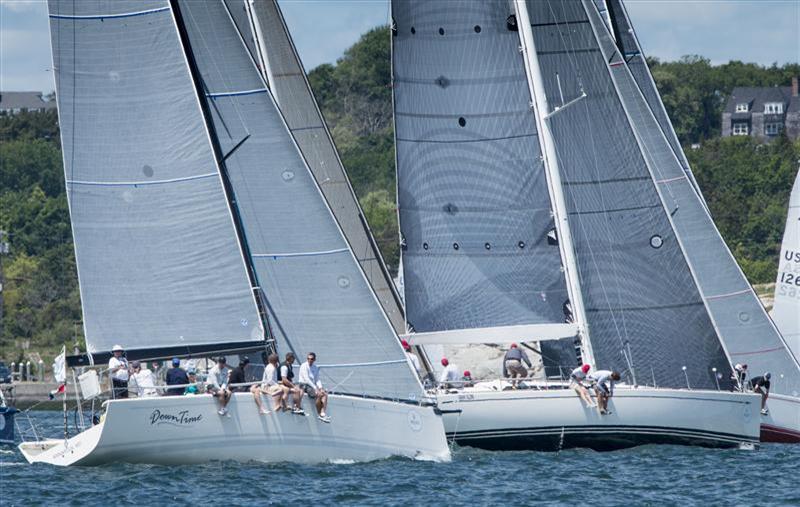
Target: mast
[550,161]
[220,163]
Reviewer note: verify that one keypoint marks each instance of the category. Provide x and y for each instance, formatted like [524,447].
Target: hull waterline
[782,424]
[187,429]
[552,420]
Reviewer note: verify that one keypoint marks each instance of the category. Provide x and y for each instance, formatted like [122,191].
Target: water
[650,475]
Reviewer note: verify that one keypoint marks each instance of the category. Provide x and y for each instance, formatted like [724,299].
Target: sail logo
[792,256]
[181,419]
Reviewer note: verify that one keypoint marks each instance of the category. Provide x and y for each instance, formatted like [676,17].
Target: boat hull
[187,429]
[555,419]
[782,425]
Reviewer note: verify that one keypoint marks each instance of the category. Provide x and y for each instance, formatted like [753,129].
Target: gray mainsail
[742,324]
[291,90]
[478,243]
[156,248]
[638,289]
[317,297]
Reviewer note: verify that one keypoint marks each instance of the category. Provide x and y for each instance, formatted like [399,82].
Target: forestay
[316,294]
[740,319]
[638,290]
[158,261]
[786,312]
[479,248]
[292,92]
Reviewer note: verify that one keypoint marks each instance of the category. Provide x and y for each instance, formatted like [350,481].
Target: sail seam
[753,352]
[632,208]
[109,16]
[729,294]
[612,180]
[301,254]
[236,93]
[357,365]
[644,308]
[670,180]
[137,183]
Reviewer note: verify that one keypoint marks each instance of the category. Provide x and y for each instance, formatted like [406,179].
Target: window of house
[742,107]
[773,108]
[772,129]
[741,129]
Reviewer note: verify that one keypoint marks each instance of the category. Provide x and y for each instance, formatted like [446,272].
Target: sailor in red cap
[576,382]
[467,379]
[410,355]
[450,376]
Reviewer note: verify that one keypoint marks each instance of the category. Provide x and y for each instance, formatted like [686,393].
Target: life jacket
[290,373]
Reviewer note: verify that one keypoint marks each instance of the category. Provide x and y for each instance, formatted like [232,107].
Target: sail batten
[156,248]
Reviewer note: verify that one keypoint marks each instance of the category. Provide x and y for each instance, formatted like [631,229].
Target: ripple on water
[652,475]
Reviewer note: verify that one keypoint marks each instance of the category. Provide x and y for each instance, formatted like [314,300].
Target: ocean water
[648,475]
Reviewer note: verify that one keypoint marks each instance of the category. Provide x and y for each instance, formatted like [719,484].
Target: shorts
[602,387]
[273,389]
[214,390]
[310,390]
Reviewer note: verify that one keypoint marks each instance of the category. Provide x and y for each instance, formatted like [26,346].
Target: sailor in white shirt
[271,387]
[576,380]
[450,375]
[410,355]
[309,381]
[118,370]
[144,380]
[604,388]
[218,384]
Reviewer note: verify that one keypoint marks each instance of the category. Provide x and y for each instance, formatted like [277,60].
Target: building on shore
[763,113]
[18,102]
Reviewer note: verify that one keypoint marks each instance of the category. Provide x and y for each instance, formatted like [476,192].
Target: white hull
[555,419]
[187,429]
[783,422]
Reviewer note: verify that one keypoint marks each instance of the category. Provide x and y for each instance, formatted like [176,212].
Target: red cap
[445,362]
[585,368]
[513,345]
[466,373]
[405,344]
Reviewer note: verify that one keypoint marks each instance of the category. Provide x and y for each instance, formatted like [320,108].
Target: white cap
[117,348]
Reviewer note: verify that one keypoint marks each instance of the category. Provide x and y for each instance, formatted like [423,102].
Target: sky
[759,31]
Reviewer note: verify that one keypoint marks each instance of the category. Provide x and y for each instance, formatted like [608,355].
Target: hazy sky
[761,31]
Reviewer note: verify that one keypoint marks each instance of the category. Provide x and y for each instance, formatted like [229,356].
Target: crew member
[512,364]
[604,388]
[576,382]
[760,385]
[450,376]
[119,371]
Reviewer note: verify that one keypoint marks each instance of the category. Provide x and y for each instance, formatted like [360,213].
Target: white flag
[59,367]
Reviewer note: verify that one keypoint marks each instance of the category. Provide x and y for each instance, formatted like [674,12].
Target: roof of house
[757,97]
[24,100]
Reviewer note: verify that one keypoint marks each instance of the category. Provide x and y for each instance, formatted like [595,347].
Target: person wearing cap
[414,360]
[119,370]
[512,364]
[144,380]
[739,376]
[450,375]
[238,376]
[192,388]
[286,377]
[309,381]
[271,387]
[218,384]
[760,384]
[604,381]
[576,380]
[176,376]
[466,380]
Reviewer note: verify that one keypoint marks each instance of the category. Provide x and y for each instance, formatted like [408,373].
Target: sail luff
[555,187]
[219,157]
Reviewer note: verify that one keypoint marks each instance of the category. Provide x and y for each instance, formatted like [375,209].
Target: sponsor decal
[414,420]
[181,419]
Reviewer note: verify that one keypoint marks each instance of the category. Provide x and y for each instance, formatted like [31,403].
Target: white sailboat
[530,181]
[199,229]
[786,309]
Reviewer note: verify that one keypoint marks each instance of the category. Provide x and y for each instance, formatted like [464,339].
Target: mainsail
[479,243]
[740,320]
[786,312]
[316,294]
[269,39]
[159,266]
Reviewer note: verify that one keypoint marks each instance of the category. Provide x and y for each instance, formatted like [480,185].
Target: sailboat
[746,331]
[199,229]
[786,309]
[532,207]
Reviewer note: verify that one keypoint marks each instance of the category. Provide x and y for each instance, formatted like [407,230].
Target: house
[16,102]
[763,112]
